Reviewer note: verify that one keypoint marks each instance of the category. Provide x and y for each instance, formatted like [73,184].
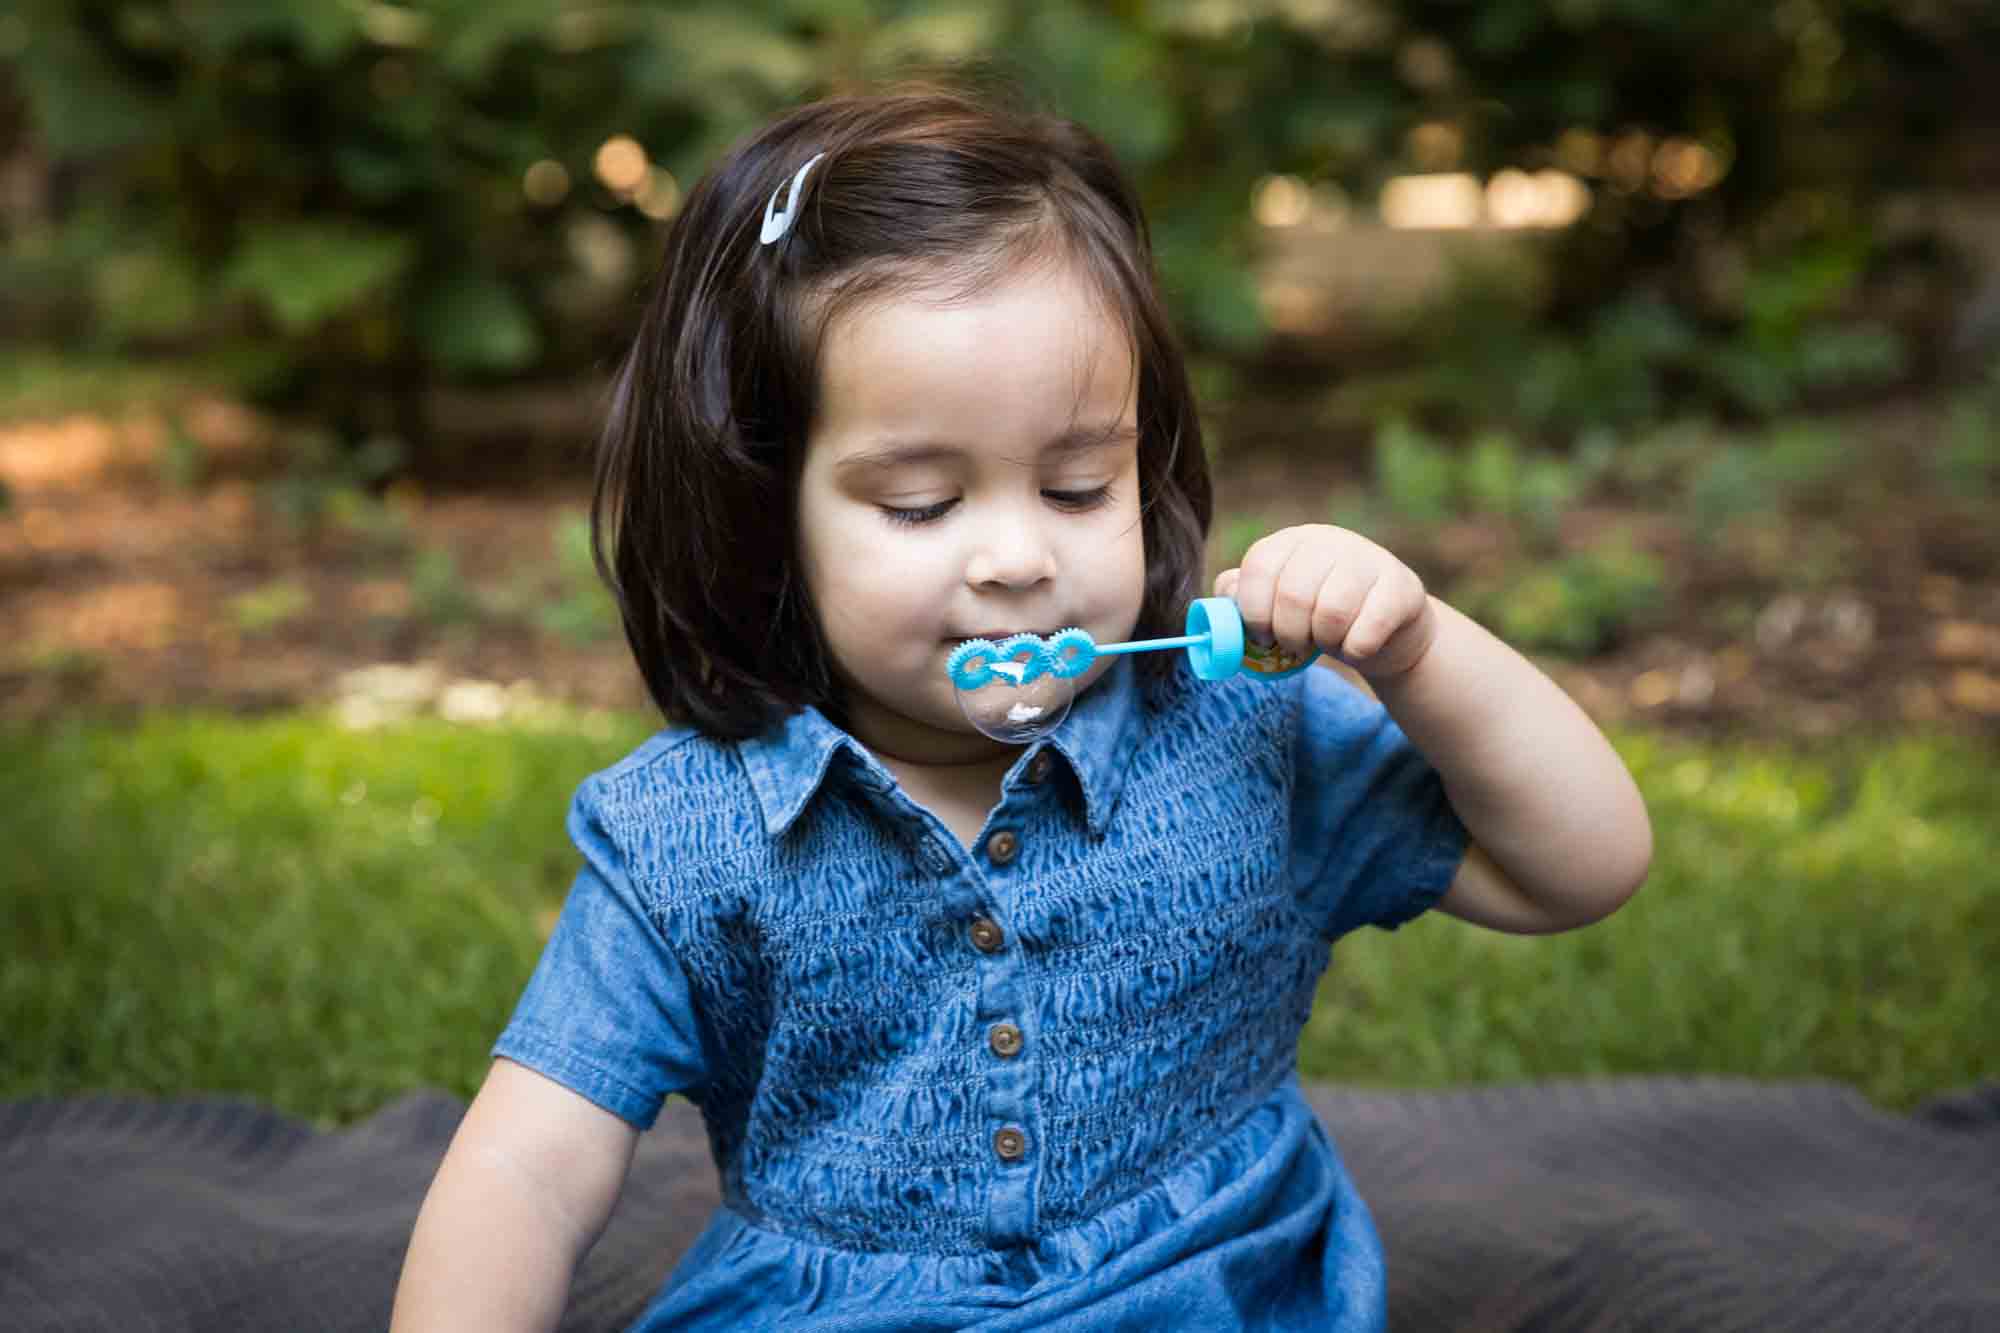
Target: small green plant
[184,462]
[1806,458]
[1968,464]
[382,530]
[45,381]
[63,663]
[324,480]
[439,592]
[270,607]
[1657,462]
[1573,607]
[583,610]
[1420,480]
[1414,474]
[1732,485]
[1797,463]
[1492,474]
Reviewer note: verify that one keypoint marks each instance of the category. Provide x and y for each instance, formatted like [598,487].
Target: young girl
[983,1035]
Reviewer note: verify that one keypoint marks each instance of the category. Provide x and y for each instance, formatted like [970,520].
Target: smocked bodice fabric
[1047,1080]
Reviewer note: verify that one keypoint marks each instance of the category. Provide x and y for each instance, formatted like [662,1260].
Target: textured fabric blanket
[1659,1204]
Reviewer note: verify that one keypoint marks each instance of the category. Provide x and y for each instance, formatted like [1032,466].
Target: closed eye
[919,514]
[1076,501]
[1071,501]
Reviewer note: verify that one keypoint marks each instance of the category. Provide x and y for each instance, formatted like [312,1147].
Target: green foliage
[183,462]
[1796,463]
[473,323]
[1968,463]
[270,607]
[62,662]
[1638,361]
[1575,606]
[1491,477]
[1414,475]
[1423,481]
[582,610]
[336,192]
[321,480]
[322,919]
[440,593]
[304,273]
[41,382]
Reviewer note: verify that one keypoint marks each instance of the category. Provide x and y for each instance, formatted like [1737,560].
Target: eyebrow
[1074,440]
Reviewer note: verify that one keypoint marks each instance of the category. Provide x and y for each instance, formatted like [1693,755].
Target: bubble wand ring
[1017,659]
[1214,642]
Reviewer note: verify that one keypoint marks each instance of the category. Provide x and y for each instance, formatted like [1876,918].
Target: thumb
[1225,582]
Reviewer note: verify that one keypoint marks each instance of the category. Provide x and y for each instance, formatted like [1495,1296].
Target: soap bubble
[1014,710]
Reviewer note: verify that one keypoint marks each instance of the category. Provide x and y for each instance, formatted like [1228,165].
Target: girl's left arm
[1560,836]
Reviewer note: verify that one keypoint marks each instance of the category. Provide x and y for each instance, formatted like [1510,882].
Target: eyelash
[1074,502]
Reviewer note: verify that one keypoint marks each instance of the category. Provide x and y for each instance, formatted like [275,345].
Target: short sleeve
[607,1012]
[1374,838]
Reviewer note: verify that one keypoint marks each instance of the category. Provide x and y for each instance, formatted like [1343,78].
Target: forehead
[1015,365]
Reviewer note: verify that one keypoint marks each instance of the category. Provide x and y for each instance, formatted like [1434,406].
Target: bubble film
[1014,710]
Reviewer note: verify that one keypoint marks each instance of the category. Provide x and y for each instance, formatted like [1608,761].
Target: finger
[1342,596]
[1225,582]
[1389,605]
[1297,595]
[1257,582]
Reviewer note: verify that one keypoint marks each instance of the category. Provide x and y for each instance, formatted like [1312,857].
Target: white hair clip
[776,224]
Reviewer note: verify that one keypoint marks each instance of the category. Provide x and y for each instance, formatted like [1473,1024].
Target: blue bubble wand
[1214,642]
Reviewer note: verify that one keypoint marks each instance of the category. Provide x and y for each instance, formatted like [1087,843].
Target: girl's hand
[1320,589]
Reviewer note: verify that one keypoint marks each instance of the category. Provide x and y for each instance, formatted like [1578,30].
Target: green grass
[1829,914]
[322,919]
[275,908]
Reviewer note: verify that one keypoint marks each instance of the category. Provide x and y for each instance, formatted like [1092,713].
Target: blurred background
[1663,336]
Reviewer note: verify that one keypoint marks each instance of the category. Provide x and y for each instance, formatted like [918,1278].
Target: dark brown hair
[695,513]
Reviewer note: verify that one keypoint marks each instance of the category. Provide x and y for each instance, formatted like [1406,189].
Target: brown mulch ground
[121,592]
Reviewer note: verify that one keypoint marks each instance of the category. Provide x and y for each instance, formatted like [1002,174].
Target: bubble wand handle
[1148,645]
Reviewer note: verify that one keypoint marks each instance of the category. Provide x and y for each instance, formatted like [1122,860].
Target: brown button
[1002,847]
[986,936]
[1039,766]
[1010,1144]
[1005,1039]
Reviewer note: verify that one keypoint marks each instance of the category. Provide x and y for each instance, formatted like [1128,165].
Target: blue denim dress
[1045,1083]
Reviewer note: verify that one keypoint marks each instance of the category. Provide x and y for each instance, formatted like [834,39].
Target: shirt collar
[1098,737]
[789,762]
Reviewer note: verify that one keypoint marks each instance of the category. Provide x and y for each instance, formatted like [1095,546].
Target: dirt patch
[124,590]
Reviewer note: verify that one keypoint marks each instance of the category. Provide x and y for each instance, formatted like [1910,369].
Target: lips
[995,634]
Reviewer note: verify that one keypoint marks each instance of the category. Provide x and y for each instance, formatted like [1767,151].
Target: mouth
[995,635]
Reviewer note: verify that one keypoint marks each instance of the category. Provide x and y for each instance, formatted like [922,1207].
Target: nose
[1010,552]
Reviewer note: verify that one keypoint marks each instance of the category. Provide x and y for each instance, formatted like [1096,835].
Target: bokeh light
[621,164]
[546,183]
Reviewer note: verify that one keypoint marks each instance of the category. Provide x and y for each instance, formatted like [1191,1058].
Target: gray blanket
[1658,1204]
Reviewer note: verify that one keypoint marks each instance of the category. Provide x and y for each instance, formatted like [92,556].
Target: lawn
[321,918]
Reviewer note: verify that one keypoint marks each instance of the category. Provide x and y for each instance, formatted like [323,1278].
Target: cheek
[1127,554]
[862,585]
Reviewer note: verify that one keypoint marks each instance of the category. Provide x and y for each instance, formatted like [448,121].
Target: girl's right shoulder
[674,769]
[659,748]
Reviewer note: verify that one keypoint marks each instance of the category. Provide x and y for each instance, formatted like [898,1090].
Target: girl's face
[973,473]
